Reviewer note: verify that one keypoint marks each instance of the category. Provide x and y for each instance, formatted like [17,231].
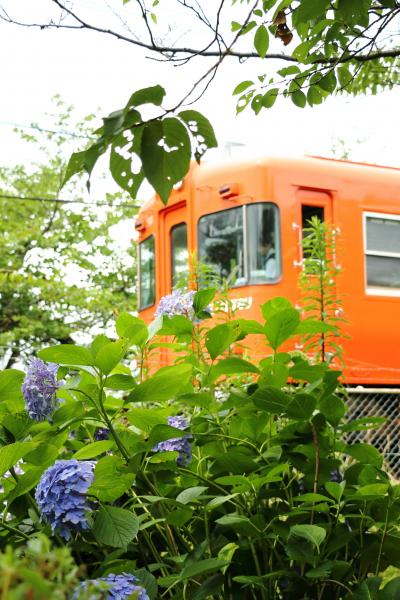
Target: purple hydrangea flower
[118,587]
[177,303]
[181,445]
[39,389]
[101,434]
[61,495]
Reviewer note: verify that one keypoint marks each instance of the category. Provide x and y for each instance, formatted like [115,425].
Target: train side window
[221,244]
[263,243]
[146,276]
[242,243]
[308,211]
[382,253]
[179,253]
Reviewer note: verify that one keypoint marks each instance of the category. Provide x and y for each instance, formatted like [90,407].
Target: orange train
[247,216]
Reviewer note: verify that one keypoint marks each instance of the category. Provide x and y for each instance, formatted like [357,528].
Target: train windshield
[242,244]
[147,286]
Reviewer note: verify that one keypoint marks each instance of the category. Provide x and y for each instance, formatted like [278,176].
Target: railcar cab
[246,220]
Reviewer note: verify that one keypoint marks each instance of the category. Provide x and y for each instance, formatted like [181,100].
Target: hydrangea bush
[214,477]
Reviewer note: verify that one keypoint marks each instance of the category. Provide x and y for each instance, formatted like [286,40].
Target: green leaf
[12,453]
[344,75]
[311,533]
[281,326]
[270,97]
[271,399]
[209,588]
[75,165]
[164,385]
[314,96]
[150,95]
[161,433]
[373,490]
[365,453]
[391,591]
[165,153]
[261,41]
[111,479]
[93,449]
[201,130]
[220,337]
[309,10]
[25,483]
[202,299]
[191,494]
[119,381]
[322,571]
[299,98]
[242,86]
[146,418]
[335,489]
[121,166]
[201,567]
[110,355]
[115,527]
[302,406]
[132,329]
[148,581]
[176,325]
[232,366]
[67,354]
[10,385]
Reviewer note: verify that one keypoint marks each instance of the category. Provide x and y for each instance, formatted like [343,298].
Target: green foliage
[163,145]
[43,243]
[318,283]
[273,504]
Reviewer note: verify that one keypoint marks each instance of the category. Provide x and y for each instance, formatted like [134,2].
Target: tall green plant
[318,284]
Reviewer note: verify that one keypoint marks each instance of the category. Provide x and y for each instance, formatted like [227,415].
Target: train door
[175,255]
[312,203]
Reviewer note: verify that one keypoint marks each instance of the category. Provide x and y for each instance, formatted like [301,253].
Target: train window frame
[171,246]
[149,239]
[246,280]
[378,290]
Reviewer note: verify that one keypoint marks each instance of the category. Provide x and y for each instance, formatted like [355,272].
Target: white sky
[91,70]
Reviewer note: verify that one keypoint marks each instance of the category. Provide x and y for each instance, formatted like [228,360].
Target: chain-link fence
[378,402]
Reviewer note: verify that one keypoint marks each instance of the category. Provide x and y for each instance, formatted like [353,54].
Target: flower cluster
[39,389]
[181,445]
[177,303]
[61,495]
[118,587]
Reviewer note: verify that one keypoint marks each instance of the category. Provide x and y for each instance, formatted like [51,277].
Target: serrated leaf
[115,526]
[311,533]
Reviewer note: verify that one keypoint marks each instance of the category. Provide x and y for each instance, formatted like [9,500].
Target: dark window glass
[179,253]
[221,242]
[308,211]
[242,243]
[383,271]
[382,252]
[147,294]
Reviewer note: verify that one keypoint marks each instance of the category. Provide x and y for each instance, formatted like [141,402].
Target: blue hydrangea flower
[61,495]
[181,445]
[118,587]
[101,434]
[39,389]
[177,303]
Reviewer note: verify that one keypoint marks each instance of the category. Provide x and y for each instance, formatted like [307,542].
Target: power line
[43,130]
[65,201]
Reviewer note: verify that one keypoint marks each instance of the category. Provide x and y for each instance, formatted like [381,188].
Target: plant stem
[317,463]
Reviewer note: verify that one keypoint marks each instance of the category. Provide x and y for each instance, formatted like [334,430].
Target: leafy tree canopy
[306,50]
[60,270]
